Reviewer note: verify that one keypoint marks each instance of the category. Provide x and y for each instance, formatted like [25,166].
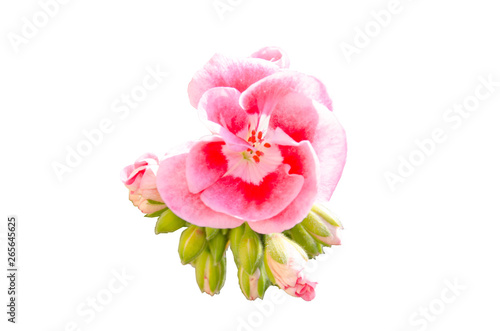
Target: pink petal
[307,291]
[244,200]
[173,188]
[148,180]
[129,176]
[151,194]
[205,164]
[303,119]
[222,106]
[273,54]
[146,159]
[303,161]
[329,142]
[265,94]
[222,71]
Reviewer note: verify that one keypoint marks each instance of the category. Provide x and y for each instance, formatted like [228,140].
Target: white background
[400,247]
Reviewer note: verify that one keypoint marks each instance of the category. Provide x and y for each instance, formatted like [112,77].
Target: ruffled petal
[264,95]
[273,54]
[304,119]
[329,142]
[174,191]
[303,161]
[234,196]
[223,71]
[220,111]
[205,164]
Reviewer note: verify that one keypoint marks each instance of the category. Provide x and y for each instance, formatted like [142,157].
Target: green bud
[253,286]
[211,232]
[305,240]
[327,215]
[250,250]
[210,275]
[169,222]
[314,225]
[319,219]
[218,246]
[234,241]
[191,243]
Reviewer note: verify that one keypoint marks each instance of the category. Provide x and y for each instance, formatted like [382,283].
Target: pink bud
[140,179]
[286,262]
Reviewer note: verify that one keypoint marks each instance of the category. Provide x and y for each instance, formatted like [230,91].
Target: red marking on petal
[256,158]
[253,132]
[267,145]
[259,153]
[259,135]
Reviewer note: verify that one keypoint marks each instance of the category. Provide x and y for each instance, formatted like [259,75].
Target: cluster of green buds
[203,248]
[262,260]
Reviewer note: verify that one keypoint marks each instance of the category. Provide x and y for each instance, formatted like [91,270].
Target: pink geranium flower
[275,148]
[140,179]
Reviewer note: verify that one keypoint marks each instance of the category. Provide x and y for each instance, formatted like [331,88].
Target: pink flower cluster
[275,149]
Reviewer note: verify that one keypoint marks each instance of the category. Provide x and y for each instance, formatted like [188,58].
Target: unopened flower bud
[323,225]
[305,240]
[235,235]
[191,243]
[250,250]
[218,246]
[168,222]
[285,262]
[210,275]
[253,286]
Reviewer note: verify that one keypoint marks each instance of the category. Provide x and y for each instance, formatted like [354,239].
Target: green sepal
[156,213]
[200,265]
[268,270]
[218,245]
[153,202]
[211,232]
[305,240]
[327,215]
[168,222]
[313,224]
[244,281]
[263,282]
[235,235]
[275,250]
